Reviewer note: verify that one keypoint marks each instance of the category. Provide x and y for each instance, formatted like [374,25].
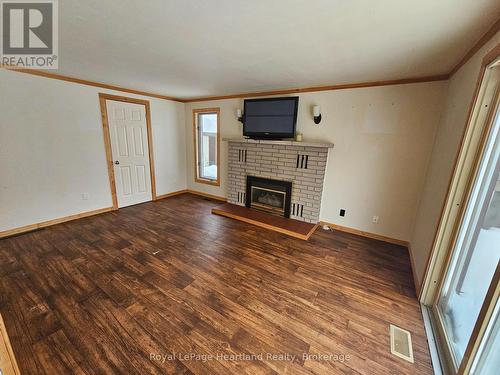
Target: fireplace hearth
[271,196]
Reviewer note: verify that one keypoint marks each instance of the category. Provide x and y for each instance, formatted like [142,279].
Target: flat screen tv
[273,118]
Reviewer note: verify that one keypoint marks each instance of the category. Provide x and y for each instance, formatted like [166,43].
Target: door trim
[107,142]
[8,361]
[481,117]
[433,266]
[468,189]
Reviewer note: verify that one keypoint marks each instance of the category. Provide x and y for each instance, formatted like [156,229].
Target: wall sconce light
[317,114]
[239,115]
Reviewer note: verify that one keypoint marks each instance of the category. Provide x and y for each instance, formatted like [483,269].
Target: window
[206,145]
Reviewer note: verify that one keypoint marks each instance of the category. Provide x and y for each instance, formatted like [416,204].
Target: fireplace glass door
[272,201]
[271,196]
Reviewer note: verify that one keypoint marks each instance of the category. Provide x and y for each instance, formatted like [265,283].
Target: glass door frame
[481,185]
[481,116]
[483,322]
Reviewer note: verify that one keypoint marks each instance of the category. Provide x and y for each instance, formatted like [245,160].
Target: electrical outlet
[85,196]
[342,212]
[375,219]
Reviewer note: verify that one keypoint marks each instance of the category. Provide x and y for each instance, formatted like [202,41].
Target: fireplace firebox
[271,196]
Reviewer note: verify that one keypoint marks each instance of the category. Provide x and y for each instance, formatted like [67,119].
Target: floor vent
[401,343]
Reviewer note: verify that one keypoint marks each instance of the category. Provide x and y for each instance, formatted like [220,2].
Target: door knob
[117,162]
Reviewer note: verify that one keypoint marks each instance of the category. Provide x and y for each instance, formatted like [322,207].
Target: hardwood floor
[118,292]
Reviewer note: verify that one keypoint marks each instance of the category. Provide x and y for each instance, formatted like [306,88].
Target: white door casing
[130,151]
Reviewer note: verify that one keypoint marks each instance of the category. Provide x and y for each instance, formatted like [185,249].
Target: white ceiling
[191,48]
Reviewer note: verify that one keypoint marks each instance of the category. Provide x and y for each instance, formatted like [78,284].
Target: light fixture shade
[316,110]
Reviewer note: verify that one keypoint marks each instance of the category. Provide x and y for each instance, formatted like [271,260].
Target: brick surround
[302,163]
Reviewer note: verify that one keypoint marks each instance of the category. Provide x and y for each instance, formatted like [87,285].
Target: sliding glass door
[470,282]
[488,360]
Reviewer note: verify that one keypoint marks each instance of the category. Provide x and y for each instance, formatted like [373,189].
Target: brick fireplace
[300,166]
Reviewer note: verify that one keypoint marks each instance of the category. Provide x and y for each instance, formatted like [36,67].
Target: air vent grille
[297,209]
[242,197]
[242,155]
[302,161]
[401,343]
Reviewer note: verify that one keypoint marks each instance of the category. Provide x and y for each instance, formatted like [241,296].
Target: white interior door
[129,147]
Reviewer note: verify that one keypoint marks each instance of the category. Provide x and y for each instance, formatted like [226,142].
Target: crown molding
[492,31]
[101,85]
[403,81]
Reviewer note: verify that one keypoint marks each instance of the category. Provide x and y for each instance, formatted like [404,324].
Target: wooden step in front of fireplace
[290,227]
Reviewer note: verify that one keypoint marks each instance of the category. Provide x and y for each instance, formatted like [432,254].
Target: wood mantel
[276,142]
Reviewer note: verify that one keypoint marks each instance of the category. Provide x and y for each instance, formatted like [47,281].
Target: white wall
[52,149]
[383,138]
[446,146]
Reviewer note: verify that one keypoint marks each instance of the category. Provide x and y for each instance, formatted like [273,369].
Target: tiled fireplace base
[301,163]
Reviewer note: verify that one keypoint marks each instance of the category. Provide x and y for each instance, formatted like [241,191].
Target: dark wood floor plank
[58,356]
[115,292]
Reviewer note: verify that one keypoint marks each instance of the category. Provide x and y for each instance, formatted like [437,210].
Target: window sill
[207,182]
